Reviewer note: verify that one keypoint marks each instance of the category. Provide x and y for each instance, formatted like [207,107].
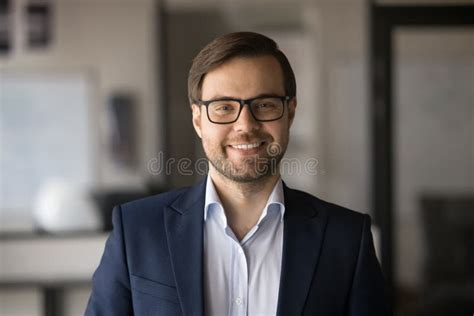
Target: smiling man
[240,242]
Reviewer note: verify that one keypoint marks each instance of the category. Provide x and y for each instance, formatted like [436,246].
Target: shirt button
[238,301]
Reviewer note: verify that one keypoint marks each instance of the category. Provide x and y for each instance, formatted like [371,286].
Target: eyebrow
[225,97]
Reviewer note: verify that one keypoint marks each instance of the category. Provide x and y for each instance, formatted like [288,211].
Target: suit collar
[190,198]
[297,202]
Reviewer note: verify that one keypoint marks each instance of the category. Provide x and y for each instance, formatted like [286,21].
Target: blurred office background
[93,112]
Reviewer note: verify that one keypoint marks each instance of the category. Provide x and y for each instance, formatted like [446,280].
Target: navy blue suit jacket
[153,260]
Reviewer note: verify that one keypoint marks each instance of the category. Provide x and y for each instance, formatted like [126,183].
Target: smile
[247,146]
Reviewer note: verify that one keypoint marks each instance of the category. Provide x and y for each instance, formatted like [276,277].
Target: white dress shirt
[242,278]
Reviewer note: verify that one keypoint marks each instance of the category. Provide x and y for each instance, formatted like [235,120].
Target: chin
[244,177]
[247,172]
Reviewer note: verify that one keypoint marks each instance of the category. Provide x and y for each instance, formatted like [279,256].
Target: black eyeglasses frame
[242,102]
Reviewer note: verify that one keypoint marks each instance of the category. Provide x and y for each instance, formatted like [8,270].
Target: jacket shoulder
[152,203]
[341,224]
[333,210]
[341,213]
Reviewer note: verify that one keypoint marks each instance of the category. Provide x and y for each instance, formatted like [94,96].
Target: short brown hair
[240,44]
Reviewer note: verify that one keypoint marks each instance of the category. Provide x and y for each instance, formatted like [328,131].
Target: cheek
[279,131]
[212,135]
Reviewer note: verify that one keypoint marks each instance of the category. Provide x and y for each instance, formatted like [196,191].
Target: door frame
[383,20]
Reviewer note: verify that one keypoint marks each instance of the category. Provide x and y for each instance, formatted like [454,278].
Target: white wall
[115,41]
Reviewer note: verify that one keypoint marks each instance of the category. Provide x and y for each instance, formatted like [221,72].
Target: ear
[291,110]
[196,109]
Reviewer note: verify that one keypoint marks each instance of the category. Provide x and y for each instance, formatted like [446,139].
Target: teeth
[246,146]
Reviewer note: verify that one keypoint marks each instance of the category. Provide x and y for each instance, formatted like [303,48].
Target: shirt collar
[211,196]
[276,201]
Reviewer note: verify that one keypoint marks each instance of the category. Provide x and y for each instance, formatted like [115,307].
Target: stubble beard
[251,169]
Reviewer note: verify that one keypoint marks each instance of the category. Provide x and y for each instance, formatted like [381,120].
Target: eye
[265,105]
[223,107]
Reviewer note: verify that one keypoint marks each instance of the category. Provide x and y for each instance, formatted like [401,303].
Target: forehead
[244,77]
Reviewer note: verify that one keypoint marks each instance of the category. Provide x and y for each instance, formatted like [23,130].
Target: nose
[246,122]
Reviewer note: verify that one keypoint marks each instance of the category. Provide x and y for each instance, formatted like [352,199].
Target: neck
[243,202]
[243,192]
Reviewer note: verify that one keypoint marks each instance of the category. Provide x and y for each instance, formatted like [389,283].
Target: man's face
[244,78]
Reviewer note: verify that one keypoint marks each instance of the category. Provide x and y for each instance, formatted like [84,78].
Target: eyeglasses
[263,108]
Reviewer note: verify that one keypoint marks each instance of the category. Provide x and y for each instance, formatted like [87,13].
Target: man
[240,242]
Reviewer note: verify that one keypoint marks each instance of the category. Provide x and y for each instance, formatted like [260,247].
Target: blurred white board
[45,133]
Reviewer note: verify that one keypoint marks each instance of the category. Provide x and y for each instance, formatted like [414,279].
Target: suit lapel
[302,238]
[184,231]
